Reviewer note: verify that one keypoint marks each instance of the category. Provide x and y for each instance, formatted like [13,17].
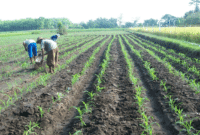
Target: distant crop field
[190,34]
[107,82]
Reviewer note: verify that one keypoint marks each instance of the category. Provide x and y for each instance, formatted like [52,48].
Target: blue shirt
[54,37]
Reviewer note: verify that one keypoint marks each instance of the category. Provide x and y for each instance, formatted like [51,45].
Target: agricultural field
[106,83]
[189,34]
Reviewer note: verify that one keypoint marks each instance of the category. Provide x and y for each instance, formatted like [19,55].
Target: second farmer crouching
[31,47]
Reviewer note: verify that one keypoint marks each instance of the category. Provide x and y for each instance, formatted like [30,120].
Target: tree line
[35,24]
[52,23]
[100,23]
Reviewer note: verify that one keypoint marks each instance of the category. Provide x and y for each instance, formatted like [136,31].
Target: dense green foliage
[62,30]
[35,24]
[100,23]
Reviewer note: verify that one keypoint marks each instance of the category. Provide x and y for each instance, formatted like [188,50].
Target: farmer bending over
[51,49]
[54,37]
[31,47]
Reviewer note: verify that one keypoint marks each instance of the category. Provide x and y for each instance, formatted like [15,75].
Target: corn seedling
[60,95]
[41,111]
[98,88]
[78,132]
[91,94]
[75,78]
[9,97]
[51,104]
[188,126]
[24,65]
[87,108]
[81,112]
[15,95]
[31,128]
[3,102]
[148,128]
[9,85]
[135,80]
[67,91]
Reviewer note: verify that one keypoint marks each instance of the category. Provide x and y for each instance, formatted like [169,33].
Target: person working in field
[55,37]
[31,47]
[51,49]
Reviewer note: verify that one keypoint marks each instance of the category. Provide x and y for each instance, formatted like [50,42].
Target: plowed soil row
[177,66]
[14,119]
[180,90]
[113,112]
[170,45]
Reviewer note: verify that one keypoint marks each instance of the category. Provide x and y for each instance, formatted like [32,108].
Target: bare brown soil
[178,66]
[115,111]
[14,119]
[179,89]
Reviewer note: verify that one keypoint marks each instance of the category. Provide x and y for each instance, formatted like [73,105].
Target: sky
[84,10]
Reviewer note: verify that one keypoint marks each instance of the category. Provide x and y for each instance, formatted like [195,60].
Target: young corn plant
[152,74]
[41,111]
[21,89]
[91,94]
[81,112]
[9,85]
[30,129]
[60,95]
[75,78]
[68,89]
[140,102]
[51,103]
[15,95]
[24,65]
[147,127]
[3,102]
[99,79]
[188,126]
[87,106]
[98,88]
[135,80]
[78,132]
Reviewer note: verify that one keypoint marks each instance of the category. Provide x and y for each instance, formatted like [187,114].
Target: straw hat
[39,39]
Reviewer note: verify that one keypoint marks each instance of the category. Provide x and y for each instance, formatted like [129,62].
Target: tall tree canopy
[169,19]
[196,3]
[150,22]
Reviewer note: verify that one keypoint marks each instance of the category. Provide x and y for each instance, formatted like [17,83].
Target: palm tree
[196,3]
